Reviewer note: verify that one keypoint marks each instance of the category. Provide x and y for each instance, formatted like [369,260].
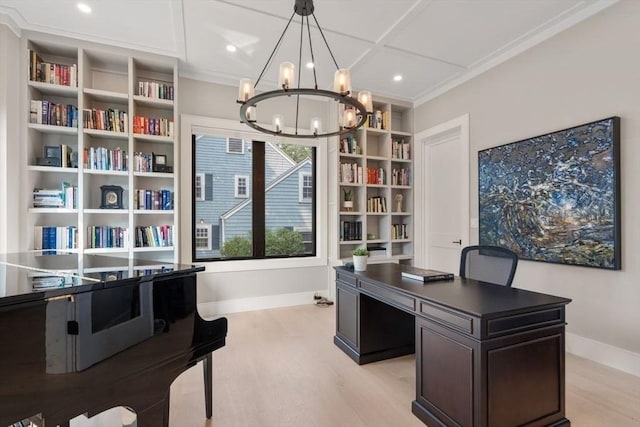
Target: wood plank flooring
[281,368]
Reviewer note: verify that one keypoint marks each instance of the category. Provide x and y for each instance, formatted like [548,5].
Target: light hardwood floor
[281,368]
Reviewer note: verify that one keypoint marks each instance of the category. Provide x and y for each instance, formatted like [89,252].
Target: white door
[442,190]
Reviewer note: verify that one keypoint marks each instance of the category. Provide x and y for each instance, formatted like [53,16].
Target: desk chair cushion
[490,264]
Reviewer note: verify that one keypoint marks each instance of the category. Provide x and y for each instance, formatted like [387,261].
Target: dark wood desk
[486,355]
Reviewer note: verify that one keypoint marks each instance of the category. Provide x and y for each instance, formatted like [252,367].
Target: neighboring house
[223,191]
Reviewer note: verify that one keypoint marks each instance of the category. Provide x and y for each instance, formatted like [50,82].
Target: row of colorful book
[150,89]
[152,126]
[106,236]
[145,199]
[53,73]
[102,158]
[52,237]
[44,112]
[111,119]
[154,236]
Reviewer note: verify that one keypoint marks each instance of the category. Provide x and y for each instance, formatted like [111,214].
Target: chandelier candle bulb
[286,79]
[278,122]
[246,90]
[364,97]
[251,114]
[342,81]
[316,125]
[349,118]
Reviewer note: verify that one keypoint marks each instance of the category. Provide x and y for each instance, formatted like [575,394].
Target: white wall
[9,137]
[588,72]
[244,285]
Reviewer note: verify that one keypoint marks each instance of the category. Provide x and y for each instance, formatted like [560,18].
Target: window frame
[192,125]
[301,187]
[209,237]
[236,186]
[201,197]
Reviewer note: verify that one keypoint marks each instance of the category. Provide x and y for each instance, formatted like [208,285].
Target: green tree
[278,241]
[237,246]
[281,241]
[297,152]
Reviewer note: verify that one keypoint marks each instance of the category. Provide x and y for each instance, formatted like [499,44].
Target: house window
[198,187]
[235,146]
[305,185]
[203,237]
[256,203]
[242,186]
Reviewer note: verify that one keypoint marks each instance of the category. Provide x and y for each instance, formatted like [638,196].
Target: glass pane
[289,200]
[229,215]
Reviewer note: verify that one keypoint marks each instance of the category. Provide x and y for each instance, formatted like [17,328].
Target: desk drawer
[394,298]
[346,278]
[448,318]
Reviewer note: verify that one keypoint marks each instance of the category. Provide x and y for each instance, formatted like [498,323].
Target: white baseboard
[614,357]
[217,308]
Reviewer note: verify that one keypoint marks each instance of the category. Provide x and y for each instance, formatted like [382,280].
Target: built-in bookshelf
[375,185]
[91,113]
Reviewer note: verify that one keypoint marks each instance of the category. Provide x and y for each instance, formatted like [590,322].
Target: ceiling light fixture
[84,8]
[231,48]
[397,78]
[354,110]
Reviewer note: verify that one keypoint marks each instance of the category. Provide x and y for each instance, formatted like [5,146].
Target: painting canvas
[555,198]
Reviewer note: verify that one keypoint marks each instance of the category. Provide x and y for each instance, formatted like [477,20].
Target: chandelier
[354,110]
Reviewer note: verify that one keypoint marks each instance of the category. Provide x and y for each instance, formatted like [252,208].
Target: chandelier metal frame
[304,8]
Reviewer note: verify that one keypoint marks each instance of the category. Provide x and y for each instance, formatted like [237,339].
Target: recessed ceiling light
[231,48]
[84,8]
[397,78]
[309,64]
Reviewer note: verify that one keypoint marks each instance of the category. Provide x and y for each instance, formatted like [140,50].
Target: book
[425,275]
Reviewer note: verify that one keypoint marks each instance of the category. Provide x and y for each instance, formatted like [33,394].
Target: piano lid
[26,276]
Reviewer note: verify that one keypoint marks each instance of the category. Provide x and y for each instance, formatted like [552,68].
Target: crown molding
[9,18]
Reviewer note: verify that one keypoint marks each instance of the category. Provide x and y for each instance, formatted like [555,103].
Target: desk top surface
[33,276]
[465,295]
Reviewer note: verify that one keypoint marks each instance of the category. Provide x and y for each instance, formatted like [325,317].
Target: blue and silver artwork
[555,197]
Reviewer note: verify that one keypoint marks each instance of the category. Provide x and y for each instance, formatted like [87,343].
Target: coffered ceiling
[433,44]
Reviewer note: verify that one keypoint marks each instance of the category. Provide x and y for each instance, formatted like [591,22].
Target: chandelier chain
[325,41]
[299,69]
[274,50]
[313,59]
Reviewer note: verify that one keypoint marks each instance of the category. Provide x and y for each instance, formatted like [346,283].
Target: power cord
[322,301]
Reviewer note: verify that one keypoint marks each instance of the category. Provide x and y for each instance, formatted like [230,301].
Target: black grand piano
[82,334]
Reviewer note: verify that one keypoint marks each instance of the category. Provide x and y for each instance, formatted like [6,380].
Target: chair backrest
[489,264]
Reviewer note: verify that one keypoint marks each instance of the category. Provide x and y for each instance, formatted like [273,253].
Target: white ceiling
[433,44]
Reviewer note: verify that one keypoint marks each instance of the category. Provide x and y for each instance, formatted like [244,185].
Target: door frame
[458,128]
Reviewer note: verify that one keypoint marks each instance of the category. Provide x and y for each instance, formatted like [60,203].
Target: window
[198,187]
[306,187]
[242,186]
[255,205]
[235,146]
[202,239]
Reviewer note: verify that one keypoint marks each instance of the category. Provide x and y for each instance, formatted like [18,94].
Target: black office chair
[489,264]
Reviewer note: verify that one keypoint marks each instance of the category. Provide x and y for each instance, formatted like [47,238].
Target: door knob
[457,241]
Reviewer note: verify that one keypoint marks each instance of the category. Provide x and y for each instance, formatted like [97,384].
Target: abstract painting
[555,197]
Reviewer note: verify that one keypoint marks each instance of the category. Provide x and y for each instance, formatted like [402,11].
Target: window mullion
[258,204]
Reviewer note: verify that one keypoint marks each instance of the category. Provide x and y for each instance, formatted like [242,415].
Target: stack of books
[425,275]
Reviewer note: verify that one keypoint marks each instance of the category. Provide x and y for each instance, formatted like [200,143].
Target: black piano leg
[208,384]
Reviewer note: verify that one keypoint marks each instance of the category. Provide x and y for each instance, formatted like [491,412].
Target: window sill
[262,264]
